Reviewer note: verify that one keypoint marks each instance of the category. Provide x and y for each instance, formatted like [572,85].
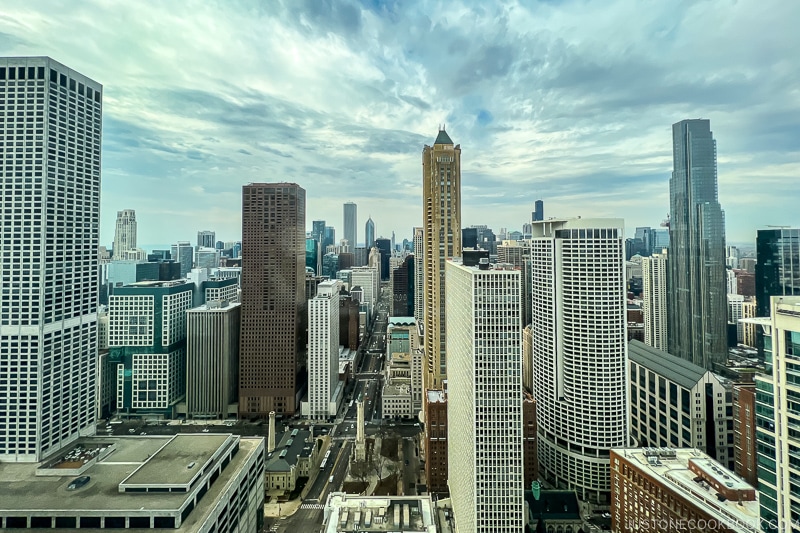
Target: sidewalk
[274,510]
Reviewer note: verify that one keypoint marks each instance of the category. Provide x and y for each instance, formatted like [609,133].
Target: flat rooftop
[436,396]
[347,512]
[149,459]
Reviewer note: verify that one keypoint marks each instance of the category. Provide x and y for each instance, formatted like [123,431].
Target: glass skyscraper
[696,300]
[777,265]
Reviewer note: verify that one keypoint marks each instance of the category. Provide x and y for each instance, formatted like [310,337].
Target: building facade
[484,415]
[212,359]
[183,253]
[518,253]
[124,232]
[351,224]
[206,239]
[654,300]
[402,390]
[744,432]
[777,265]
[49,266]
[435,417]
[323,349]
[419,281]
[696,314]
[677,404]
[579,351]
[273,297]
[441,199]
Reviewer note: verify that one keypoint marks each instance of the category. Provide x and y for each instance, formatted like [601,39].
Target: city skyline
[589,131]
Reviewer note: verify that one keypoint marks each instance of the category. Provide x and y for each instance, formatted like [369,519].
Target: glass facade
[697,305]
[777,266]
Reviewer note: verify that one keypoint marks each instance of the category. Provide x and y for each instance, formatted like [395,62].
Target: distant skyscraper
[441,205]
[484,419]
[329,237]
[50,281]
[323,349]
[538,211]
[273,296]
[125,232]
[654,296]
[351,223]
[777,265]
[183,253]
[384,246]
[579,351]
[696,295]
[369,233]
[419,310]
[206,239]
[469,237]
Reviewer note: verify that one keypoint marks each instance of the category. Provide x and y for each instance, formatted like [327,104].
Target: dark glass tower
[696,302]
[777,265]
[538,211]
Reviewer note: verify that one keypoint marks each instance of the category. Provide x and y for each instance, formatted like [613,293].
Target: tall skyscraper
[323,349]
[206,239]
[273,296]
[538,211]
[351,223]
[369,233]
[384,247]
[183,253]
[49,267]
[777,265]
[484,419]
[419,311]
[329,238]
[579,351]
[696,297]
[125,232]
[654,296]
[441,199]
[318,234]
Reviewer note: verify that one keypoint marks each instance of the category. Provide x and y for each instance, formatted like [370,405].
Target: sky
[569,101]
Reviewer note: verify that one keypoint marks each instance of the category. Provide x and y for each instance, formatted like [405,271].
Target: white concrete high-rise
[654,296]
[484,413]
[368,278]
[351,223]
[419,282]
[125,233]
[49,269]
[323,348]
[579,351]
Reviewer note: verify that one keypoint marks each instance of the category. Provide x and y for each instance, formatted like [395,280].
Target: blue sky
[570,101]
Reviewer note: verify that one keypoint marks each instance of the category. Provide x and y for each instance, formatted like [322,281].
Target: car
[131,431]
[142,433]
[330,479]
[78,482]
[206,430]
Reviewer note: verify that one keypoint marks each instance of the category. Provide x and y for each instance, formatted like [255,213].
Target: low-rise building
[295,456]
[402,390]
[348,512]
[668,490]
[552,511]
[187,482]
[435,418]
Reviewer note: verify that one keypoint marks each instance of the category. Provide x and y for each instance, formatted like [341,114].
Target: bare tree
[360,470]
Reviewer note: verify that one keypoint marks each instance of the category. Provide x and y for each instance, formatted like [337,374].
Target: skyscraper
[125,232]
[419,312]
[323,349]
[351,223]
[384,246]
[206,239]
[777,265]
[273,296]
[183,253]
[654,296]
[484,419]
[318,234]
[696,297]
[369,233]
[579,351]
[49,267]
[441,198]
[538,211]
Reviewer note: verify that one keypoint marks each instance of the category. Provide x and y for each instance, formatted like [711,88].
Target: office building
[312,256]
[152,488]
[744,432]
[696,306]
[749,329]
[419,281]
[369,280]
[329,237]
[183,253]
[330,265]
[147,342]
[778,416]
[435,417]
[49,269]
[662,489]
[212,359]
[124,233]
[402,391]
[403,285]
[351,223]
[579,351]
[384,247]
[735,314]
[484,413]
[518,253]
[654,300]
[530,451]
[538,211]
[323,350]
[441,206]
[206,239]
[677,404]
[777,269]
[345,513]
[369,234]
[273,297]
[206,258]
[348,322]
[469,238]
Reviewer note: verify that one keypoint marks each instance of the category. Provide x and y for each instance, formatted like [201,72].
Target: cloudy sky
[570,101]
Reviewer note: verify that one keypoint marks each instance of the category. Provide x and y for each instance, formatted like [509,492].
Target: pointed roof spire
[443,137]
